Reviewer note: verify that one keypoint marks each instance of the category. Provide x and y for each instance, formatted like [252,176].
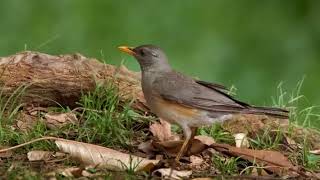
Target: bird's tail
[269,111]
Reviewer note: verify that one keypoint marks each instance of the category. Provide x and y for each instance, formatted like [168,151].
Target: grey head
[150,57]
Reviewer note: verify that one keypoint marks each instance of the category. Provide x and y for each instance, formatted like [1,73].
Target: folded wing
[202,95]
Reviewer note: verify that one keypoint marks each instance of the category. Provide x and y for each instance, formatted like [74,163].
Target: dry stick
[30,142]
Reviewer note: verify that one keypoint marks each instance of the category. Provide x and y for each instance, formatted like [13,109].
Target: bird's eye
[142,53]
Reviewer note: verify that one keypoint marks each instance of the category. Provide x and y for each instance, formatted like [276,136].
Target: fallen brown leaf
[274,160]
[166,173]
[317,152]
[5,154]
[207,140]
[162,131]
[71,172]
[25,122]
[39,155]
[86,173]
[147,147]
[59,120]
[35,110]
[259,172]
[90,154]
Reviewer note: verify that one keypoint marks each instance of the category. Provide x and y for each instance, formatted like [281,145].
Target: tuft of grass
[226,166]
[217,133]
[305,117]
[306,159]
[269,139]
[10,104]
[131,168]
[9,107]
[107,121]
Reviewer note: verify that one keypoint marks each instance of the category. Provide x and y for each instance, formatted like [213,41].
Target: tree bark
[60,80]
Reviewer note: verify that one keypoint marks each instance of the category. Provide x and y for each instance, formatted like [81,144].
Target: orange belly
[175,113]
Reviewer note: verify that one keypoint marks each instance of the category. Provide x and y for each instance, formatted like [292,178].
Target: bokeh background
[253,45]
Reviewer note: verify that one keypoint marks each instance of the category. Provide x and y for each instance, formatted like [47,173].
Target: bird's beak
[126,49]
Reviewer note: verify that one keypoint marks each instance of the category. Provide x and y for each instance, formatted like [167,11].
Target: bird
[185,101]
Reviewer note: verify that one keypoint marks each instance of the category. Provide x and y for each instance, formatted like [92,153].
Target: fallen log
[60,80]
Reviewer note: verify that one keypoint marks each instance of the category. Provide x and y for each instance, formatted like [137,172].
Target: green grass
[227,166]
[268,139]
[217,133]
[103,120]
[309,116]
[106,120]
[303,157]
[9,107]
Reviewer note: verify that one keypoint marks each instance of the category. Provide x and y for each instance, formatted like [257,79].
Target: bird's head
[150,57]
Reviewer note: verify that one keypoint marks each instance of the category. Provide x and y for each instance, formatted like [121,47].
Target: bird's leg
[193,133]
[187,133]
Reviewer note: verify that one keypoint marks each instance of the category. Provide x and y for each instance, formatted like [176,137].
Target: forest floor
[251,147]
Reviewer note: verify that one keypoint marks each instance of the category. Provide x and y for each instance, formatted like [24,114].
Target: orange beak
[127,50]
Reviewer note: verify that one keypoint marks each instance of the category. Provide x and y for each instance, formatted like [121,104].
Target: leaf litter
[164,144]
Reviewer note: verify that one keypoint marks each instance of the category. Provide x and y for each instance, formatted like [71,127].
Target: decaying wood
[60,80]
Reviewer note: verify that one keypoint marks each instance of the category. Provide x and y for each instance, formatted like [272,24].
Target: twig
[30,142]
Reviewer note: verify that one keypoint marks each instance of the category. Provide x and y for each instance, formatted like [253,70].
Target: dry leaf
[241,140]
[166,172]
[39,155]
[147,147]
[59,120]
[259,172]
[5,154]
[71,172]
[25,121]
[317,152]
[205,140]
[86,173]
[90,154]
[162,131]
[195,160]
[35,110]
[275,161]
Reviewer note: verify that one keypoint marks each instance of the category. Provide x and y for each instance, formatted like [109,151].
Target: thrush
[182,100]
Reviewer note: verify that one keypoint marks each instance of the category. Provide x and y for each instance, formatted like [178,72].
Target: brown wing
[176,87]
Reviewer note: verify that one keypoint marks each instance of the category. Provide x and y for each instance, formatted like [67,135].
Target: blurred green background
[253,45]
